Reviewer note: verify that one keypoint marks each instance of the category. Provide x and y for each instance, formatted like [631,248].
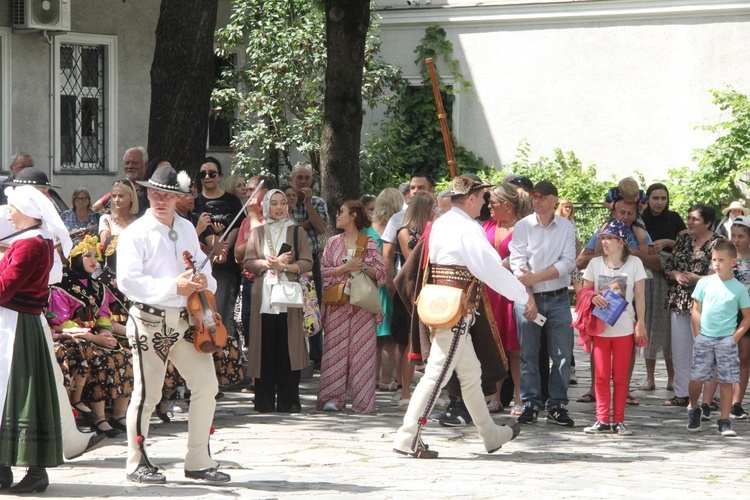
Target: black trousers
[316,341]
[277,389]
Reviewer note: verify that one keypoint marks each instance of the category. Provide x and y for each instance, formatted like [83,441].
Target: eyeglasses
[208,173]
[495,203]
[81,199]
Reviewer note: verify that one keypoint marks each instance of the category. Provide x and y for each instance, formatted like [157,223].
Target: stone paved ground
[343,455]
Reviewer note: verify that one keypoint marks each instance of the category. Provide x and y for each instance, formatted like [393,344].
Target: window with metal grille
[82,107]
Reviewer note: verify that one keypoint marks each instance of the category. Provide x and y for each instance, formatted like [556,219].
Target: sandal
[517,410]
[675,401]
[587,398]
[110,433]
[88,415]
[632,401]
[403,404]
[494,407]
[118,423]
[392,387]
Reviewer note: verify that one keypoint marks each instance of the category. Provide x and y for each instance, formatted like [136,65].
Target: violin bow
[226,231]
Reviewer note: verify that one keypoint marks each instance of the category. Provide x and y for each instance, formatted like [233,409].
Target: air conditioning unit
[48,15]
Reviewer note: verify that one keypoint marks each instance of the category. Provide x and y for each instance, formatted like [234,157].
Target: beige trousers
[469,372]
[163,338]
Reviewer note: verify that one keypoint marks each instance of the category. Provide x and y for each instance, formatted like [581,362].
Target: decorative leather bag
[286,294]
[365,293]
[441,307]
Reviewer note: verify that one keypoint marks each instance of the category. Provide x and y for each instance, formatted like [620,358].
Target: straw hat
[735,205]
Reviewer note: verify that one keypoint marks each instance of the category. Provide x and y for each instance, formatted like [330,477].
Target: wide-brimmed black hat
[466,184]
[166,179]
[31,176]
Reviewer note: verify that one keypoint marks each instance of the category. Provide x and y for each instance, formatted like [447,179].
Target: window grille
[82,98]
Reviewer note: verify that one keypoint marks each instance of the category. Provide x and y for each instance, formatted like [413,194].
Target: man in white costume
[458,252]
[151,272]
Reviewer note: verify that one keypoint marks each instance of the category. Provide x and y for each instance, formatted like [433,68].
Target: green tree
[724,165]
[409,139]
[276,97]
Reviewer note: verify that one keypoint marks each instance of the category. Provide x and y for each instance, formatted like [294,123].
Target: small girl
[741,239]
[617,271]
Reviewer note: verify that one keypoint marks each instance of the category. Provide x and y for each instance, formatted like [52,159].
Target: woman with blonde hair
[508,205]
[388,202]
[124,210]
[237,185]
[421,211]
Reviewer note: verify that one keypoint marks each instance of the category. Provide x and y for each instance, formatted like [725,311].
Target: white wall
[621,85]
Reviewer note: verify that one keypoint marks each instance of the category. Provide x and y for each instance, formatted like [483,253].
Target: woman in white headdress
[277,345]
[30,430]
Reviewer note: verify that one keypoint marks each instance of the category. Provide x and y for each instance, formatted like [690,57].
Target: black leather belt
[553,293]
[157,311]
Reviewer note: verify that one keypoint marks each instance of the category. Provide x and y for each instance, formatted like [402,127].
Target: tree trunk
[347,22]
[182,77]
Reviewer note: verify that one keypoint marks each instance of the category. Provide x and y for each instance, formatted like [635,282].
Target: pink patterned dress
[349,344]
[502,308]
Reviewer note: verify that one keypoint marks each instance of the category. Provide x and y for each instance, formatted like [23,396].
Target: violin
[209,333]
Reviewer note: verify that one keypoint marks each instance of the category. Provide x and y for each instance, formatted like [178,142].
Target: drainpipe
[52,144]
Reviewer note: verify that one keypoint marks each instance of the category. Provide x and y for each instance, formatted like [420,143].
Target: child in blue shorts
[716,299]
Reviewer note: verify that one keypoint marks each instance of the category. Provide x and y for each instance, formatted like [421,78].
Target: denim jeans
[559,344]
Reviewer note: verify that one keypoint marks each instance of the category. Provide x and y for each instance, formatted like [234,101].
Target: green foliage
[410,138]
[723,166]
[276,98]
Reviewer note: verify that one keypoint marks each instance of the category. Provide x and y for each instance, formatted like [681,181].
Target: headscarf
[31,202]
[130,188]
[276,226]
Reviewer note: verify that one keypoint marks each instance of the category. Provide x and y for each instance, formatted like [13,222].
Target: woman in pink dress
[349,344]
[507,206]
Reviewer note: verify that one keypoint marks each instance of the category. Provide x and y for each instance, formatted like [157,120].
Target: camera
[225,219]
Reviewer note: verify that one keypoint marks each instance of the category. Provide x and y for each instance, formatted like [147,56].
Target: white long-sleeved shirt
[149,262]
[458,240]
[535,247]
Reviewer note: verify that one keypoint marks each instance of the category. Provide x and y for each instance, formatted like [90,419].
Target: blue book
[615,307]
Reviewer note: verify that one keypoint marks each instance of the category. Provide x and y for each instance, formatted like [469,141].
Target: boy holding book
[716,299]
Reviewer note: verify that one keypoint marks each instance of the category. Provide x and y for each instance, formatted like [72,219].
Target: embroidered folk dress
[109,372]
[350,341]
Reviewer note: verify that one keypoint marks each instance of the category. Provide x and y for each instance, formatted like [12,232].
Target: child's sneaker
[694,419]
[725,428]
[529,415]
[738,412]
[706,412]
[621,429]
[598,428]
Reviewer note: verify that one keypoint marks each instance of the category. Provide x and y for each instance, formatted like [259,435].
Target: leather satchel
[334,294]
[440,306]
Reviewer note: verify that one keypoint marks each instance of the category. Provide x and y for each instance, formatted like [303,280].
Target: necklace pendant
[173,235]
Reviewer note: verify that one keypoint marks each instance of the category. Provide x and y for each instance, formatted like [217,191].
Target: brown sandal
[675,401]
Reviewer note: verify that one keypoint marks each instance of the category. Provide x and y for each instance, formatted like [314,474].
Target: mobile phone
[540,320]
[285,248]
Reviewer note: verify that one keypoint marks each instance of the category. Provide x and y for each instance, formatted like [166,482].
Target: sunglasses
[208,173]
[523,182]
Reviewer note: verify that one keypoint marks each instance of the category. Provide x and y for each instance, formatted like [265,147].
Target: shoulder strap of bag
[361,245]
[296,254]
[426,260]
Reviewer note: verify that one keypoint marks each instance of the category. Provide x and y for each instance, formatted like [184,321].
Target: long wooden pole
[443,119]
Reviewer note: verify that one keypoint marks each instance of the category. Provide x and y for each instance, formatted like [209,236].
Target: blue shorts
[718,353]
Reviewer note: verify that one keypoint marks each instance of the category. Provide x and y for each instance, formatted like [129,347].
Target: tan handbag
[441,307]
[334,294]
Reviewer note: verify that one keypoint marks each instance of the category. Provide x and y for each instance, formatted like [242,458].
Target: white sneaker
[330,406]
[573,377]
